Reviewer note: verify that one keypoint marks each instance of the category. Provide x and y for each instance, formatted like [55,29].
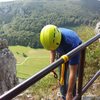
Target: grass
[85,32]
[36,60]
[30,61]
[92,60]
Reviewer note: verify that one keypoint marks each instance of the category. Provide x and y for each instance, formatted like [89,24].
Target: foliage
[21,22]
[24,55]
[35,56]
[24,20]
[92,61]
[27,66]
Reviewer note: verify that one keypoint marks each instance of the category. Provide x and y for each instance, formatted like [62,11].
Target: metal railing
[32,80]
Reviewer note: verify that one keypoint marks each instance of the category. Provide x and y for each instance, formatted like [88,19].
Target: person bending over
[62,40]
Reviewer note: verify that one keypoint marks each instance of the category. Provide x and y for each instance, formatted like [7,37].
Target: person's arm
[52,56]
[52,59]
[71,82]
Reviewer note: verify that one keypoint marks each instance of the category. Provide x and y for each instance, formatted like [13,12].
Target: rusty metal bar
[91,81]
[81,71]
[30,81]
[80,75]
[88,84]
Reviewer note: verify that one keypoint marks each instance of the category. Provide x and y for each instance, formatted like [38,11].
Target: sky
[5,0]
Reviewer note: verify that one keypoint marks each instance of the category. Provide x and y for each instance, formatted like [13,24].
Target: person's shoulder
[62,28]
[65,29]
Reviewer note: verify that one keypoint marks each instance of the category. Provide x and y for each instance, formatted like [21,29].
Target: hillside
[8,77]
[47,87]
[21,21]
[29,60]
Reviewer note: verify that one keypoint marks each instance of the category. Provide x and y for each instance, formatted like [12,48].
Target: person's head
[50,37]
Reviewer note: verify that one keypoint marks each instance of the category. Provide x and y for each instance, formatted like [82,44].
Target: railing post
[80,72]
[89,83]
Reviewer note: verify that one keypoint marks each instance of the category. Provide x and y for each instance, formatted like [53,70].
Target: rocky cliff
[8,77]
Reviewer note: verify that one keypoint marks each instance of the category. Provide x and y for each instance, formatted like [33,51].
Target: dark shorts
[75,60]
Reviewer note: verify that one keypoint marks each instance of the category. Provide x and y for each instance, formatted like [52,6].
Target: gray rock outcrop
[8,77]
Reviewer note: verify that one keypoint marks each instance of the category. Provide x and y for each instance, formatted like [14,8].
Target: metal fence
[32,80]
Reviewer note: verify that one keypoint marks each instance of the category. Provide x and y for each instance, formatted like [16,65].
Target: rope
[65,58]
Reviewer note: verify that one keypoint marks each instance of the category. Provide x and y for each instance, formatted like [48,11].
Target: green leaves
[24,20]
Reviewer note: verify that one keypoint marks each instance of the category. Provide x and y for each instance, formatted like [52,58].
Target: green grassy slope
[29,61]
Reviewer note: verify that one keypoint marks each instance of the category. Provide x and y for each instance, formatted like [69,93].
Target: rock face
[8,77]
[97,29]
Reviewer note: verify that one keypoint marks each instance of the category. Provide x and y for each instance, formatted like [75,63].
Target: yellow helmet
[50,37]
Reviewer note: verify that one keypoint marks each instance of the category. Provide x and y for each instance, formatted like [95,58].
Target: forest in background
[22,20]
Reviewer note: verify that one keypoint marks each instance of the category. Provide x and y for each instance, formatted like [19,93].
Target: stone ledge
[92,97]
[3,43]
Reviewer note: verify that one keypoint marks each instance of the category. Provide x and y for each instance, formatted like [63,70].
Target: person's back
[69,41]
[62,40]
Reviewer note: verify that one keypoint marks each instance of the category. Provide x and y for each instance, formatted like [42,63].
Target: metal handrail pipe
[32,80]
[90,82]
